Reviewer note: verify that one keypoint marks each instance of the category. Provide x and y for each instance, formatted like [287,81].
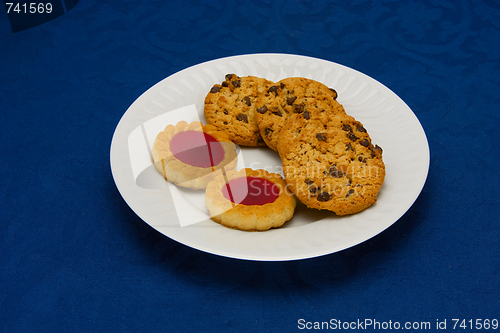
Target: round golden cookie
[250,200]
[289,96]
[191,155]
[230,106]
[330,163]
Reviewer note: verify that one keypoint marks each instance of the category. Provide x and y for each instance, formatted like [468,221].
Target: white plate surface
[180,214]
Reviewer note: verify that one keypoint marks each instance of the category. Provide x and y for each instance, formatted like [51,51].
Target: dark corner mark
[28,14]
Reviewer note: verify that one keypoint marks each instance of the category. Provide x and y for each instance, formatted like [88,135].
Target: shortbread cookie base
[252,217]
[185,175]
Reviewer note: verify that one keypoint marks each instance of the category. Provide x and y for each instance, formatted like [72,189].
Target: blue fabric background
[75,258]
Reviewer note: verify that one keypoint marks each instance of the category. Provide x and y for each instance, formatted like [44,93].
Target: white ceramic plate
[180,214]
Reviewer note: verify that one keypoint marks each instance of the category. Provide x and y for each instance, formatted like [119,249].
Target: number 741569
[477,324]
[29,8]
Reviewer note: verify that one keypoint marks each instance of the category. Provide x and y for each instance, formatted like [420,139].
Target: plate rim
[310,254]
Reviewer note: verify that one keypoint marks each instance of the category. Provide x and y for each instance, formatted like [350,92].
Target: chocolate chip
[262,110]
[335,91]
[351,136]
[308,181]
[215,89]
[299,108]
[324,196]
[268,131]
[365,143]
[277,112]
[282,85]
[374,150]
[361,129]
[306,115]
[362,159]
[350,192]
[320,137]
[313,189]
[242,117]
[226,112]
[334,172]
[247,101]
[225,84]
[290,100]
[229,76]
[236,84]
[347,128]
[349,147]
[273,89]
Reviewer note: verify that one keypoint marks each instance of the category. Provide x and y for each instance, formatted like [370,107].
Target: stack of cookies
[329,161]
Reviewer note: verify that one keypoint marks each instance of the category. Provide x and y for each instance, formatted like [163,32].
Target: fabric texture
[75,258]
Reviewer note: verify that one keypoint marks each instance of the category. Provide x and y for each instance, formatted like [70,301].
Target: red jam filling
[198,149]
[251,191]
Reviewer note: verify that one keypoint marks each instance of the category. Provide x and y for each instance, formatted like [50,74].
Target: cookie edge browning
[185,175]
[254,217]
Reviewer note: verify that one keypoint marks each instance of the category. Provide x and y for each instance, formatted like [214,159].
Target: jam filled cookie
[249,200]
[289,96]
[329,162]
[230,107]
[191,155]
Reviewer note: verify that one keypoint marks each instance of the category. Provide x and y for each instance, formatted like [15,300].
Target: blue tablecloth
[75,258]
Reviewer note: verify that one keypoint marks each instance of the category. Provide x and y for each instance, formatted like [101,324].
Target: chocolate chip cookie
[230,106]
[329,161]
[290,96]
